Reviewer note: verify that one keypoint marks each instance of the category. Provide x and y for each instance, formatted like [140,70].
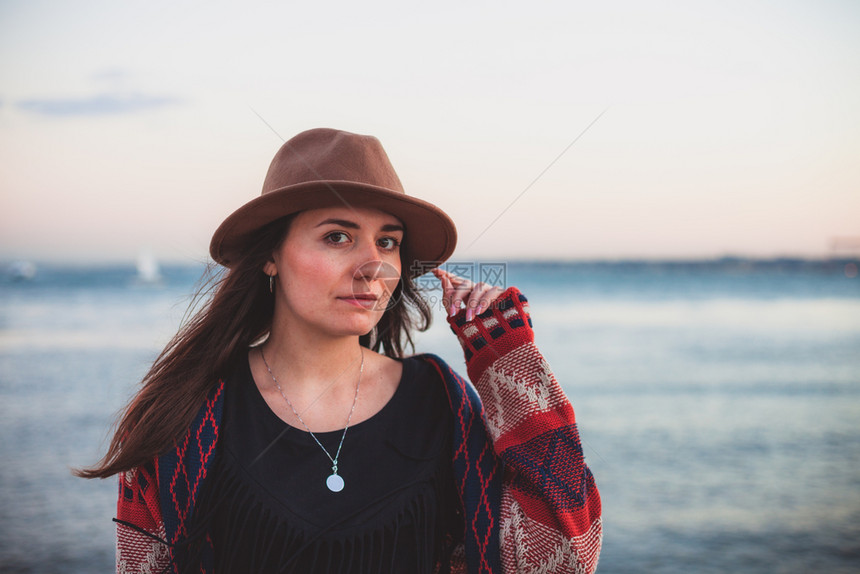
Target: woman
[283,430]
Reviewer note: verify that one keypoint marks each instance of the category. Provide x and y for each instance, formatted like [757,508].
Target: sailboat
[148,270]
[22,270]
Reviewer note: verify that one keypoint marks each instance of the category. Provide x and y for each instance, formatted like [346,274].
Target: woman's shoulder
[423,366]
[435,366]
[428,359]
[382,368]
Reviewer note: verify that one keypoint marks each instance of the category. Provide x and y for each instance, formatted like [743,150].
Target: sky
[553,130]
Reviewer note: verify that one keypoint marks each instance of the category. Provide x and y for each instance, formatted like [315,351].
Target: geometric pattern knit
[182,469]
[550,506]
[477,471]
[529,502]
[139,547]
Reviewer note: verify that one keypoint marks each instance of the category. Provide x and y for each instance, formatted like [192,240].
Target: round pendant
[334,483]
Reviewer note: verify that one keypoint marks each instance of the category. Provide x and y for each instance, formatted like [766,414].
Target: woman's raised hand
[457,291]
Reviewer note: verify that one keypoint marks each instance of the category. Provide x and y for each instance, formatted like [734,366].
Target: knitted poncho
[529,502]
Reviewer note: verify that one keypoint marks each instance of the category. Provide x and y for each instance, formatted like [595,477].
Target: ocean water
[718,402]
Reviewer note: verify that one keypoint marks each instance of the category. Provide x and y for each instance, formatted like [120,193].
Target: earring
[271,283]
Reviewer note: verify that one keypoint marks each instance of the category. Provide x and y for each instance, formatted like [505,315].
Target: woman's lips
[363,300]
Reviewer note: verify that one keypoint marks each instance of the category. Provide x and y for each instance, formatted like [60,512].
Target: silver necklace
[334,482]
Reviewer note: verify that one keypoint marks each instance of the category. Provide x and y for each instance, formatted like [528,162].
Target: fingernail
[470,314]
[452,310]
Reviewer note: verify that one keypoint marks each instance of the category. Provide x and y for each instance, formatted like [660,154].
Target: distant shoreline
[848,264]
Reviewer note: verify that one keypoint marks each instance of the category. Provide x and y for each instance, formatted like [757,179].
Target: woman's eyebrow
[353,225]
[341,222]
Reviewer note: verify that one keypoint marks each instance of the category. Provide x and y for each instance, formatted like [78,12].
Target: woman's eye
[337,237]
[389,243]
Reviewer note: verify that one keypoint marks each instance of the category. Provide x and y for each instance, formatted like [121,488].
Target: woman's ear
[270,269]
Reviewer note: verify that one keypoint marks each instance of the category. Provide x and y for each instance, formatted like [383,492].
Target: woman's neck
[320,377]
[308,363]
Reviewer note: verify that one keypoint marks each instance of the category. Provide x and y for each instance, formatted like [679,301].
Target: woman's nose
[367,252]
[371,265]
[368,269]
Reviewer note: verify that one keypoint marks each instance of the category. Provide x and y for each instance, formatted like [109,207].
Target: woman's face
[336,270]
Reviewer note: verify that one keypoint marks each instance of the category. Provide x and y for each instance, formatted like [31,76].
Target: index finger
[449,299]
[444,278]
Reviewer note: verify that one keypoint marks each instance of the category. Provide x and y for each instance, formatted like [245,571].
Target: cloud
[105,104]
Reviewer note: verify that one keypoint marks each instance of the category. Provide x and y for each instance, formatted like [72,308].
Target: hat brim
[429,238]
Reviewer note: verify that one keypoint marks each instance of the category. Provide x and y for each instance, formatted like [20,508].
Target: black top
[267,508]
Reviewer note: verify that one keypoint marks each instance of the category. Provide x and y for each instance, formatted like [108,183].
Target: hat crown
[331,155]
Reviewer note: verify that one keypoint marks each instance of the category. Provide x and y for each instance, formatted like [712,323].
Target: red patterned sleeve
[140,532]
[550,503]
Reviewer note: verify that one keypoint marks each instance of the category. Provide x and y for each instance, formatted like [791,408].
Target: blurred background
[674,185]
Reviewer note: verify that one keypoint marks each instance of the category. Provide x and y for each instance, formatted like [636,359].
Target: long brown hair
[236,311]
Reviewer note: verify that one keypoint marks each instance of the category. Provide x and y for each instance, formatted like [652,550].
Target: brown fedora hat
[326,168]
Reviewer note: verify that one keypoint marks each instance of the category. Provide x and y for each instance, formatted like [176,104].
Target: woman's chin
[357,328]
